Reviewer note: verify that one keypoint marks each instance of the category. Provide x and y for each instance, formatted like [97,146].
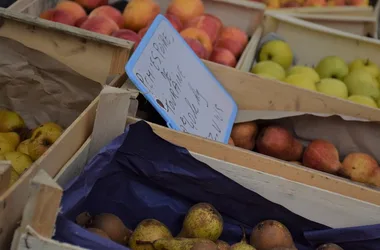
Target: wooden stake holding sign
[179,86]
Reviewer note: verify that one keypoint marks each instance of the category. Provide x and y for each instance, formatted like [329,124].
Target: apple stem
[366,62]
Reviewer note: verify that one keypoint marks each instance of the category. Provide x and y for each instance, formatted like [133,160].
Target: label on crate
[179,86]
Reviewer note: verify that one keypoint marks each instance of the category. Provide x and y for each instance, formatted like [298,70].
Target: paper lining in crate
[338,211]
[42,88]
[247,16]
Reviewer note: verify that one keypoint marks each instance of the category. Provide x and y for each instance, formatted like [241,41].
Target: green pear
[202,221]
[269,68]
[242,245]
[366,65]
[8,142]
[146,233]
[23,147]
[363,100]
[301,80]
[10,121]
[332,87]
[277,51]
[299,69]
[20,162]
[360,82]
[332,67]
[329,246]
[183,244]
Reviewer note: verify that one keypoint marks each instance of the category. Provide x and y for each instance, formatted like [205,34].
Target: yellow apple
[302,81]
[360,82]
[366,65]
[269,68]
[277,51]
[306,70]
[364,100]
[332,67]
[332,87]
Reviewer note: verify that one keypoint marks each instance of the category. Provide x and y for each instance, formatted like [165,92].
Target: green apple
[269,68]
[332,87]
[360,82]
[366,65]
[267,76]
[301,80]
[332,67]
[277,51]
[304,69]
[364,100]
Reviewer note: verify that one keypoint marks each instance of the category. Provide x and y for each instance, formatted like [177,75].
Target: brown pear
[205,246]
[322,155]
[113,226]
[271,234]
[98,232]
[10,121]
[147,233]
[329,246]
[359,167]
[278,142]
[202,221]
[243,135]
[180,243]
[222,245]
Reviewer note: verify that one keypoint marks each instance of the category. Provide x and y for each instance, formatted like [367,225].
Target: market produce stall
[235,24]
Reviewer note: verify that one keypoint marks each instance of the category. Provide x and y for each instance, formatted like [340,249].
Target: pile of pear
[22,146]
[358,81]
[201,230]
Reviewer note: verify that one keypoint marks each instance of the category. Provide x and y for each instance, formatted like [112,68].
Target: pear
[360,82]
[271,234]
[242,245]
[147,232]
[42,138]
[329,246]
[113,226]
[202,221]
[332,67]
[23,147]
[269,68]
[299,69]
[8,142]
[98,232]
[20,163]
[183,244]
[222,245]
[10,121]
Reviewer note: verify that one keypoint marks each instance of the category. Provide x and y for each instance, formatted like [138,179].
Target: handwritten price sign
[177,83]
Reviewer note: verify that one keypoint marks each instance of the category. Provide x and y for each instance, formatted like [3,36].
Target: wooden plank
[251,92]
[42,207]
[111,114]
[92,55]
[336,10]
[266,164]
[5,175]
[31,240]
[328,208]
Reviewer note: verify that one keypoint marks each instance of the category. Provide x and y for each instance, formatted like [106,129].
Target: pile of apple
[275,4]
[22,146]
[278,142]
[358,81]
[204,33]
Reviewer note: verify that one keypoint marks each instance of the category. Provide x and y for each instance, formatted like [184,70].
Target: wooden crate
[358,25]
[239,13]
[338,210]
[93,58]
[331,10]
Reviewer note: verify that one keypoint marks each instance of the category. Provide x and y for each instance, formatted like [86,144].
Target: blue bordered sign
[179,86]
